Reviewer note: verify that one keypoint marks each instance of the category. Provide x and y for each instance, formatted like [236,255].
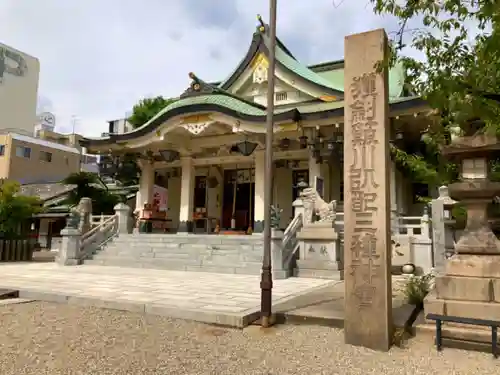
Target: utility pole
[266,283]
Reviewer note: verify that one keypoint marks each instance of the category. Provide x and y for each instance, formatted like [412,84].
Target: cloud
[98,58]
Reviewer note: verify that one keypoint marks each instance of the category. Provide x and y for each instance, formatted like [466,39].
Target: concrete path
[226,299]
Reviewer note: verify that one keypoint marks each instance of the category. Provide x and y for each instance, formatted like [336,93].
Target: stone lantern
[475,191]
[470,284]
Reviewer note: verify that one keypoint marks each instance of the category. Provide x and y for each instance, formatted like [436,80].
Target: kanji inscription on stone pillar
[367,254]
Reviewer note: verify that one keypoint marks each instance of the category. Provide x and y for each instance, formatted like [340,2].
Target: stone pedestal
[319,249]
[125,220]
[469,288]
[69,252]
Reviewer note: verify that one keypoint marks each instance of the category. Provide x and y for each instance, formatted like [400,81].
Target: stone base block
[464,309]
[464,288]
[433,305]
[473,265]
[317,265]
[318,233]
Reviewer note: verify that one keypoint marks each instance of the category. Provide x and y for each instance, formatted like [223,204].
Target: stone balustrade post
[425,223]
[277,256]
[124,218]
[69,253]
[298,207]
[442,236]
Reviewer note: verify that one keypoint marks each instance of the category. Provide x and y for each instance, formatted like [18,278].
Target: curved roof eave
[292,115]
[258,116]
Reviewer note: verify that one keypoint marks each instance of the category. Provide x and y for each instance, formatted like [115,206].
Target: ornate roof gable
[285,62]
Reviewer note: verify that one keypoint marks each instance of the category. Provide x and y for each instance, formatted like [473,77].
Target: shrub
[417,287]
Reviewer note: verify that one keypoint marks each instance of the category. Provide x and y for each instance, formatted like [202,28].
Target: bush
[417,287]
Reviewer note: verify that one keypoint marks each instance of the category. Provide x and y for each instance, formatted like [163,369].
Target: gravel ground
[45,338]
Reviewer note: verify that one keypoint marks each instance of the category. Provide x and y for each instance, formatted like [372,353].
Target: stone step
[122,249]
[205,239]
[223,258]
[201,246]
[241,268]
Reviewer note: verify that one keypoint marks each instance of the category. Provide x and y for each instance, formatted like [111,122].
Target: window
[280,96]
[23,152]
[2,150]
[46,156]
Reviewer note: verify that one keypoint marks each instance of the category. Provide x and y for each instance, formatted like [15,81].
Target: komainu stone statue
[73,220]
[316,209]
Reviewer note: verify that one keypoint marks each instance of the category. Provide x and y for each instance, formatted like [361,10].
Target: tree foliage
[128,171]
[146,109]
[459,75]
[15,209]
[90,186]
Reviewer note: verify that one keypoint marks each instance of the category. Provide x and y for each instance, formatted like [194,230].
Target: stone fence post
[69,252]
[298,207]
[440,229]
[425,223]
[124,218]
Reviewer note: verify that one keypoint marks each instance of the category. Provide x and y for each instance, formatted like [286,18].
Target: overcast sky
[99,57]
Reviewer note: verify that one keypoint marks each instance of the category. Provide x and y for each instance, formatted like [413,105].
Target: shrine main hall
[207,147]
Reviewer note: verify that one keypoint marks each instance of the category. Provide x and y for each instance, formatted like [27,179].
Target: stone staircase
[206,253]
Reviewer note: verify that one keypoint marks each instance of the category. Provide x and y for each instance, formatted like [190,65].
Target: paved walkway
[232,300]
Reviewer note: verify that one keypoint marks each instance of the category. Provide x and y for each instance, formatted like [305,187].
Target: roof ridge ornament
[262,27]
[199,87]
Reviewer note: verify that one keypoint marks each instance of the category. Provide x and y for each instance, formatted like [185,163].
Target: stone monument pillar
[367,237]
[470,285]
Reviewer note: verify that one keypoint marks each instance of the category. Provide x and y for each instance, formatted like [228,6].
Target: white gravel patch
[45,338]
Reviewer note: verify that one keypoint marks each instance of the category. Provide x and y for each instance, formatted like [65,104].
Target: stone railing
[284,245]
[290,242]
[98,235]
[410,234]
[96,220]
[77,246]
[405,225]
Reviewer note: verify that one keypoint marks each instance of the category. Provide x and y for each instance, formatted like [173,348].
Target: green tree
[128,171]
[458,76]
[146,109]
[15,209]
[90,186]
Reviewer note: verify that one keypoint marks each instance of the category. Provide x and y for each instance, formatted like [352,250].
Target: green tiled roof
[304,72]
[396,79]
[216,99]
[318,106]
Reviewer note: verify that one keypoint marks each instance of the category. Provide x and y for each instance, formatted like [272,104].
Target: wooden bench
[456,319]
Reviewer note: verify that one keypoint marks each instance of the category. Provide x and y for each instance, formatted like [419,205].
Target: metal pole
[266,283]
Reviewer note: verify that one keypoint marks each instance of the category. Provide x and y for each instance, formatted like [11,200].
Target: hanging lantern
[319,137]
[246,148]
[285,143]
[303,141]
[169,155]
